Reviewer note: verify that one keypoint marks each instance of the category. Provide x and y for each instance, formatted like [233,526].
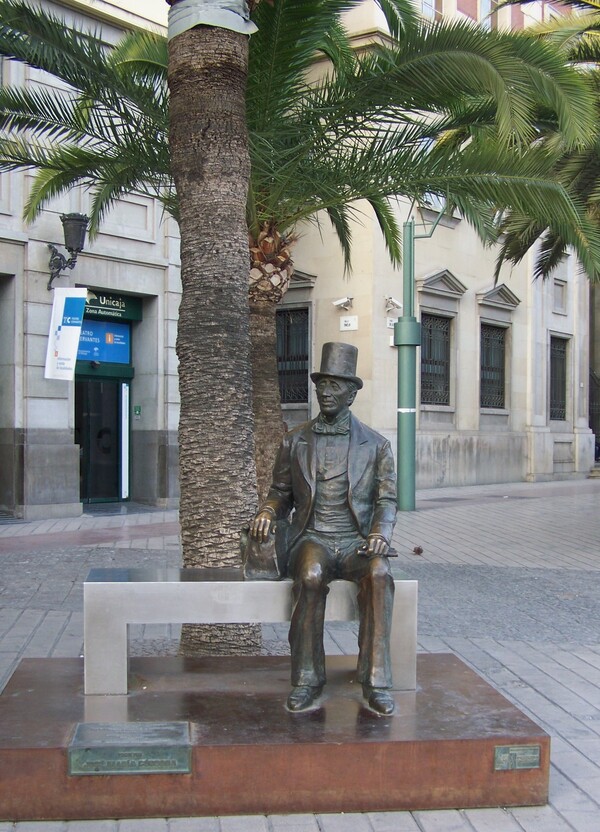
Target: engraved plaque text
[511,757]
[133,748]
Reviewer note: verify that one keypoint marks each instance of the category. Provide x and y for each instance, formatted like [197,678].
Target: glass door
[102,433]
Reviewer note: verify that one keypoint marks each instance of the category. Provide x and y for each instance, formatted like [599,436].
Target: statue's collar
[341,425]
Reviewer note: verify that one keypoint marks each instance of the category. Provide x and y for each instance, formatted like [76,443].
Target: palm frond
[79,59]
[446,68]
[19,154]
[586,50]
[586,5]
[48,113]
[520,235]
[400,15]
[442,108]
[340,220]
[43,40]
[144,53]
[390,229]
[50,183]
[143,58]
[292,35]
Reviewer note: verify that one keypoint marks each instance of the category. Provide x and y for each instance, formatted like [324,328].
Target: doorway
[102,433]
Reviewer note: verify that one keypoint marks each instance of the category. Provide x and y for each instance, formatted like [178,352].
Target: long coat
[371,479]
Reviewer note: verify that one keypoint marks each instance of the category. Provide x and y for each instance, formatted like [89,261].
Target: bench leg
[105,652]
[403,642]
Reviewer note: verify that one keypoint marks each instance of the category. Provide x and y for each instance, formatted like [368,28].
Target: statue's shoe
[302,697]
[379,700]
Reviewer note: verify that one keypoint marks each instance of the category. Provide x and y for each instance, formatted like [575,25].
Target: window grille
[558,379]
[435,360]
[292,355]
[493,362]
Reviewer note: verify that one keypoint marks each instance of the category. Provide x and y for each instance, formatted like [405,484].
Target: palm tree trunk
[266,401]
[208,139]
[271,270]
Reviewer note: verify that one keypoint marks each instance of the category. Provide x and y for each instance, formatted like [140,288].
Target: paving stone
[192,825]
[351,822]
[581,820]
[575,765]
[70,642]
[569,800]
[293,823]
[346,638]
[392,822]
[590,748]
[432,644]
[245,823]
[145,825]
[443,821]
[332,648]
[22,630]
[8,663]
[48,633]
[567,656]
[8,616]
[540,819]
[491,820]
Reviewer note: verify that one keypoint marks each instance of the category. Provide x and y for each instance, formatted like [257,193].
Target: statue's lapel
[306,455]
[359,451]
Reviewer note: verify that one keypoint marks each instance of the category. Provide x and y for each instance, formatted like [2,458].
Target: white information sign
[65,329]
[348,322]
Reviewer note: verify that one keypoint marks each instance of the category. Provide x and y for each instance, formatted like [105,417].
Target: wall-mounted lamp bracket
[58,263]
[75,228]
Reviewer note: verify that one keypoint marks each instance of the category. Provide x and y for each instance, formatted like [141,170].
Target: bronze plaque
[513,757]
[130,748]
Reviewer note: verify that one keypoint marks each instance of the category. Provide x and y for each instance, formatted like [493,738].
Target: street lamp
[407,337]
[74,229]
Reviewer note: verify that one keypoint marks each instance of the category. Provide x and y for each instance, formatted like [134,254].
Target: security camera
[343,303]
[391,304]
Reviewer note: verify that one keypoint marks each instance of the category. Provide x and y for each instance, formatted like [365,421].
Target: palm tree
[367,131]
[207,69]
[577,168]
[374,125]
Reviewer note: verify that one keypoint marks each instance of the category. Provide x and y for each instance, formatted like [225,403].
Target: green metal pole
[407,337]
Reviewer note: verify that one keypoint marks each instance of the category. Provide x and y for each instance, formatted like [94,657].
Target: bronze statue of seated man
[337,476]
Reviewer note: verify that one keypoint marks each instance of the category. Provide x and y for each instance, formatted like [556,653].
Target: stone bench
[116,598]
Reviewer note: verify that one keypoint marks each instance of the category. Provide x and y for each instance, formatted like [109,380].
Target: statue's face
[334,396]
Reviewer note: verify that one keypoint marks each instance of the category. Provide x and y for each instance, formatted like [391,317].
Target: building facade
[503,375]
[503,372]
[111,434]
[502,378]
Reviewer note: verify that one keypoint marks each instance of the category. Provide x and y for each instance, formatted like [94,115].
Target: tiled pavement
[509,580]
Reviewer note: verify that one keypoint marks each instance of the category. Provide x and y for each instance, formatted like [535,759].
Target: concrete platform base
[454,742]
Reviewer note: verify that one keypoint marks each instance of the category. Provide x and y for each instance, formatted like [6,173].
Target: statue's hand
[260,527]
[376,545]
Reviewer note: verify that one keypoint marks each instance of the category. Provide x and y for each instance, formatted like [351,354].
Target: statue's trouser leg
[311,575]
[375,604]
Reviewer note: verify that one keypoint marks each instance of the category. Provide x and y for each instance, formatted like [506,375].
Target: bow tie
[341,428]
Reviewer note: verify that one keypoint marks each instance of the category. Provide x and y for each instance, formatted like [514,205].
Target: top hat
[338,360]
